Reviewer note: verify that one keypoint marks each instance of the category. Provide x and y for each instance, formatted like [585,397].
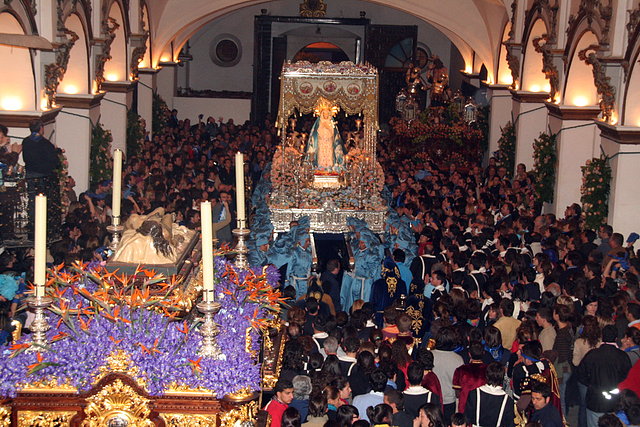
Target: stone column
[117,100]
[530,115]
[146,86]
[576,143]
[75,122]
[166,82]
[622,145]
[501,103]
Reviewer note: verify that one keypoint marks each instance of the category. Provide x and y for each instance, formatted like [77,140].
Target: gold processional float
[120,345]
[332,186]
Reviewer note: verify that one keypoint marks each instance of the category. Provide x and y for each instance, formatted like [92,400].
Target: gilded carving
[272,362]
[313,9]
[512,29]
[542,46]
[634,20]
[51,385]
[513,61]
[109,28]
[550,13]
[192,420]
[241,414]
[55,72]
[137,55]
[632,25]
[5,416]
[117,401]
[602,82]
[593,11]
[119,361]
[44,419]
[175,389]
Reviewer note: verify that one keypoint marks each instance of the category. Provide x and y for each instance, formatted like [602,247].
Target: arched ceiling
[474,26]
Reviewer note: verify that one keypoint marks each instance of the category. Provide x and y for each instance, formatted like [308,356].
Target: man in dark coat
[41,161]
[330,284]
[545,413]
[39,154]
[601,370]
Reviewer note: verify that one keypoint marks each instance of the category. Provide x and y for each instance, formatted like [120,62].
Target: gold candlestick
[209,330]
[241,247]
[39,326]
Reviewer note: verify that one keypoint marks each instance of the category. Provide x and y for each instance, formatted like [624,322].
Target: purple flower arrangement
[96,313]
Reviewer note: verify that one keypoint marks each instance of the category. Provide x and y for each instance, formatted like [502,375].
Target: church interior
[199,197]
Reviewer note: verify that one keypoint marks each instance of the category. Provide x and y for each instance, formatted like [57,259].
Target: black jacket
[601,370]
[40,155]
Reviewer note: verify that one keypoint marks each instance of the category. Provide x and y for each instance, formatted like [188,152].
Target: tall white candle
[242,218]
[207,251]
[117,186]
[40,235]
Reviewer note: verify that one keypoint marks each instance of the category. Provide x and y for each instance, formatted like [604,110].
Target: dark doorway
[321,51]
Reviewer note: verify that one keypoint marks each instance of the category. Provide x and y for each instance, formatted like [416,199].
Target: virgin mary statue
[324,147]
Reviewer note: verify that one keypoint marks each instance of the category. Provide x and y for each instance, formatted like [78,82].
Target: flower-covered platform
[124,353]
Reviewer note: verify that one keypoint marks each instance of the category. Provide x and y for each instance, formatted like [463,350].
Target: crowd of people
[473,308]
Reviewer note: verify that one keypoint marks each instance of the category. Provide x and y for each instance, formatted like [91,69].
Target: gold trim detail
[50,386]
[192,420]
[117,401]
[42,418]
[5,416]
[313,9]
[119,361]
[175,389]
[242,414]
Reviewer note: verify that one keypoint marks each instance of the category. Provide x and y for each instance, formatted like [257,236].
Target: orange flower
[114,340]
[39,358]
[18,347]
[169,314]
[196,364]
[185,328]
[59,336]
[148,273]
[84,325]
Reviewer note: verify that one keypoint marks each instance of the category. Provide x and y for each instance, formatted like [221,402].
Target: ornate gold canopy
[352,87]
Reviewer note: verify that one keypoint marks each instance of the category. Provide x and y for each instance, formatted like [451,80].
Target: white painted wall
[166,81]
[74,136]
[114,118]
[145,97]
[501,103]
[575,145]
[236,109]
[624,200]
[530,122]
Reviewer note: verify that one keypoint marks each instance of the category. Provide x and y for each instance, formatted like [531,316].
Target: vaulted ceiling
[474,26]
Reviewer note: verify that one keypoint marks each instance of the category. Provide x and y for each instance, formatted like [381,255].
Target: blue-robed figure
[325,150]
[399,235]
[368,257]
[299,269]
[387,288]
